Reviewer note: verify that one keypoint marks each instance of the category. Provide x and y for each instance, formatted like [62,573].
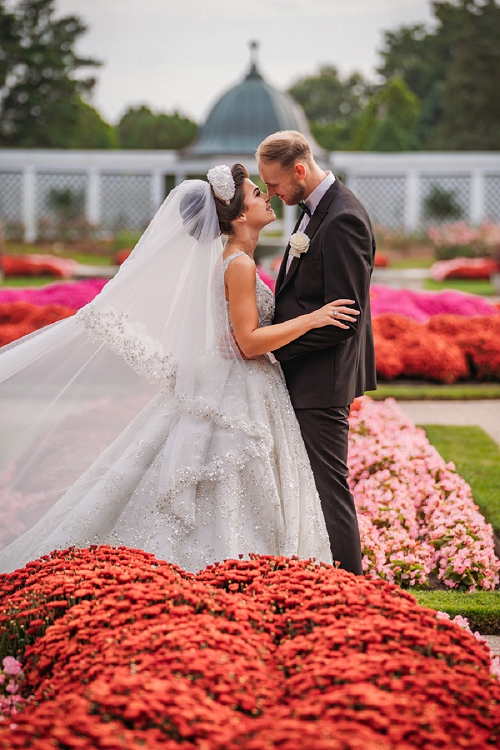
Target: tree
[471,117]
[332,104]
[141,128]
[389,121]
[453,69]
[43,102]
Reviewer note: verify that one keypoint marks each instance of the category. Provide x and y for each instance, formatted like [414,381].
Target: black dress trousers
[325,433]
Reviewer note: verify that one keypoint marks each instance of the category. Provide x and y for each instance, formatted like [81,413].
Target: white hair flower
[222,182]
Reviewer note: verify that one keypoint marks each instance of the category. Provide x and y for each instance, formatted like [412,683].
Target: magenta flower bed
[418,520]
[420,306]
[74,294]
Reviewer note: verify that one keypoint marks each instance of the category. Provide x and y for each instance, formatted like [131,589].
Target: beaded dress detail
[242,480]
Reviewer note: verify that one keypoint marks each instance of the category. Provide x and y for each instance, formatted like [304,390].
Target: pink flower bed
[418,520]
[460,234]
[74,294]
[420,306]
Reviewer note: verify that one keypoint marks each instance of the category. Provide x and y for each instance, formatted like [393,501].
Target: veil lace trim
[131,341]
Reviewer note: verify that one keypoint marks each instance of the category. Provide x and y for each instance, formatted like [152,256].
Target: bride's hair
[228,213]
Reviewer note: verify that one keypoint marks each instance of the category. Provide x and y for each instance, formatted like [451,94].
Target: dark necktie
[305,208]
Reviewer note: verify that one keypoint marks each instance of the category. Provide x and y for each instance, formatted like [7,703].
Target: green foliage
[441,204]
[389,121]
[43,101]
[332,104]
[454,70]
[477,459]
[66,203]
[126,239]
[141,128]
[481,608]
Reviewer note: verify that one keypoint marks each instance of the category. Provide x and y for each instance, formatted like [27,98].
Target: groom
[326,368]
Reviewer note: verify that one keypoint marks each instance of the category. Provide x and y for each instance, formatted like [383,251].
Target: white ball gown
[130,424]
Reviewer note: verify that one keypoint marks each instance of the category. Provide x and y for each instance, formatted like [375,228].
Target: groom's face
[287,184]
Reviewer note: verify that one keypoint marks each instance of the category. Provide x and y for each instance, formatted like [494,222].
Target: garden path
[484,414]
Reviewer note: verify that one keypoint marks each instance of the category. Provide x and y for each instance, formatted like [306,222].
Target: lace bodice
[265,297]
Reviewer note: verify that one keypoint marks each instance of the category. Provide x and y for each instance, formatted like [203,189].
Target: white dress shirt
[312,202]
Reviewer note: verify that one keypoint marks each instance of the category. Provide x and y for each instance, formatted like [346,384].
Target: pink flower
[11,666]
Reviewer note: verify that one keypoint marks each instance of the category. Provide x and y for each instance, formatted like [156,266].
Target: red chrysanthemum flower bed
[126,651]
[38,265]
[20,318]
[447,348]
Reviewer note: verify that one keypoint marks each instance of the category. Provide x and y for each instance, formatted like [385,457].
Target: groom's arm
[347,263]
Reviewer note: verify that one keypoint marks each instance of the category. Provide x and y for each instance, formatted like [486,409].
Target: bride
[154,418]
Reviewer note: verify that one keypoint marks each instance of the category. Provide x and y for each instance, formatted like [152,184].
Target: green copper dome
[244,116]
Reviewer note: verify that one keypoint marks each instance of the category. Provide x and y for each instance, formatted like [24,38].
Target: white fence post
[157,189]
[93,207]
[411,211]
[477,198]
[28,204]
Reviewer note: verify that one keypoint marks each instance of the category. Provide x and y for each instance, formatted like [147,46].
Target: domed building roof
[245,115]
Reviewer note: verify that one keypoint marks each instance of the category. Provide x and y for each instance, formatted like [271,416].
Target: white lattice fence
[49,181]
[125,201]
[383,198]
[492,197]
[457,187]
[11,196]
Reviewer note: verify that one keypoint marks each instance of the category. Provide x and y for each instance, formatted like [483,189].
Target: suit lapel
[282,271]
[310,231]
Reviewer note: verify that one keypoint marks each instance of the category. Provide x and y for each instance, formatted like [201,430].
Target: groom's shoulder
[344,201]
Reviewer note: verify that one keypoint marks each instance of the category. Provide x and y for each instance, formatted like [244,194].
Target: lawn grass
[472,286]
[482,608]
[435,392]
[411,262]
[477,459]
[19,281]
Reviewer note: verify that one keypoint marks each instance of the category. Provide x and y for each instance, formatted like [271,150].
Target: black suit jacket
[330,366]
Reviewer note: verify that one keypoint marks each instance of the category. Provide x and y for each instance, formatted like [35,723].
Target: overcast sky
[183,54]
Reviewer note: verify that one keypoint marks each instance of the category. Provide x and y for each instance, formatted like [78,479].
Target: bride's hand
[333,314]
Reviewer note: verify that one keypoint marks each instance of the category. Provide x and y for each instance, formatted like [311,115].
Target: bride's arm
[254,341]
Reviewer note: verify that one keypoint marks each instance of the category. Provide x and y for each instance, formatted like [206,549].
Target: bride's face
[258,211]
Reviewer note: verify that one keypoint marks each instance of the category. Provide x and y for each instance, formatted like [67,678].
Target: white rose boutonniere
[299,243]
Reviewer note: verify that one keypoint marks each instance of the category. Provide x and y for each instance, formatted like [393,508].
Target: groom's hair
[286,147]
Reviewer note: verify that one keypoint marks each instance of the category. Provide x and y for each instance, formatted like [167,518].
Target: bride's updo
[227,213]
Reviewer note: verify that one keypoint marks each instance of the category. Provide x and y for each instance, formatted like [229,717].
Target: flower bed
[464,268]
[73,294]
[418,521]
[420,306]
[38,265]
[262,653]
[459,238]
[445,349]
[20,318]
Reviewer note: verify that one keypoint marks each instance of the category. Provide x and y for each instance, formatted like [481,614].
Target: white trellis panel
[126,201]
[383,197]
[493,197]
[11,184]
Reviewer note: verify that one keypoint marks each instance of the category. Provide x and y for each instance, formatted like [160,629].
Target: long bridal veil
[75,395]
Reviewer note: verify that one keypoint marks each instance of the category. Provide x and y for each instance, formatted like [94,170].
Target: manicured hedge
[481,608]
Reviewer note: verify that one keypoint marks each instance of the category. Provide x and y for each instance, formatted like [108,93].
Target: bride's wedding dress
[170,445]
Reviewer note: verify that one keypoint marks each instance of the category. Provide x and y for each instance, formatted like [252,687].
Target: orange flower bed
[126,651]
[20,318]
[445,349]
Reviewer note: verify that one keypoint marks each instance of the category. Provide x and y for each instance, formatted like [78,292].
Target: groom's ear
[300,171]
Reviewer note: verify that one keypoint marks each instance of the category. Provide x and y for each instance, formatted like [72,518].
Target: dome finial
[254,54]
